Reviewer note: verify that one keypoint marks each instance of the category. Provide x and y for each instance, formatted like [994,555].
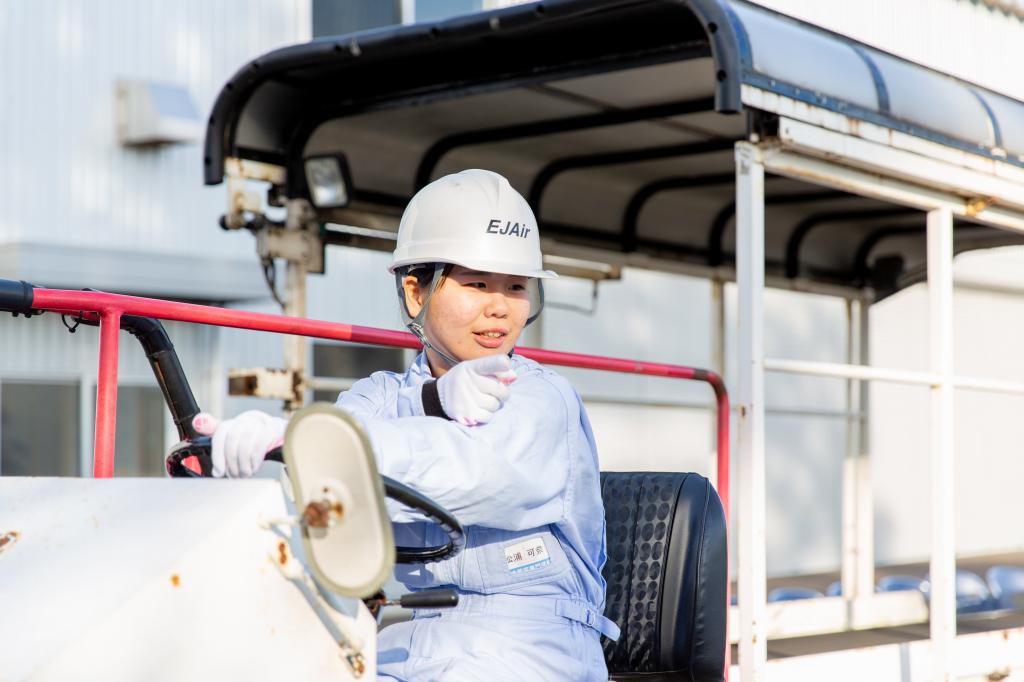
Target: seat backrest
[666,573]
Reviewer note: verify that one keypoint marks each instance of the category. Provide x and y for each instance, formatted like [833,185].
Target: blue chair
[1006,583]
[972,594]
[834,589]
[792,594]
[899,583]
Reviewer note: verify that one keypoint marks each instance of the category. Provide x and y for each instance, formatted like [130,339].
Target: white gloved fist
[241,443]
[473,390]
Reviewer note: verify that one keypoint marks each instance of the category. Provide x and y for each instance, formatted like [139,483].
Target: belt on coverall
[541,608]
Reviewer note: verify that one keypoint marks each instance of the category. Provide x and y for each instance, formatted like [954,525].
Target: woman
[499,440]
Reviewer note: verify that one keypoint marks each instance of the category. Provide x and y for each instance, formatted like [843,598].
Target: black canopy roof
[617,120]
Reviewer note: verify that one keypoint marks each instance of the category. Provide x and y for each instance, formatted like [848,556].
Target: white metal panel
[979,656]
[129,579]
[988,336]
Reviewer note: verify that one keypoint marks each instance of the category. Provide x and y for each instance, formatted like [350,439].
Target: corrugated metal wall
[68,182]
[65,177]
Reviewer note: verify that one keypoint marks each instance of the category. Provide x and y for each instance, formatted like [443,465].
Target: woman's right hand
[240,444]
[473,390]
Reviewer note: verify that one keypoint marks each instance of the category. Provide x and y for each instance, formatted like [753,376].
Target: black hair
[424,274]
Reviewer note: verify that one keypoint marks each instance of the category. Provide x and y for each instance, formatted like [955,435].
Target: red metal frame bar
[106,395]
[108,308]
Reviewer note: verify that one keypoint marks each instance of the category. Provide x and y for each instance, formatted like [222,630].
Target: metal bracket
[301,246]
[241,198]
[264,382]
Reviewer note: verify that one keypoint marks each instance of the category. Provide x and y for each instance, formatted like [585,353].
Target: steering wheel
[200,448]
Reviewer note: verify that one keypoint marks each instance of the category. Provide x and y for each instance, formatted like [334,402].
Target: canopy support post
[858,564]
[752,562]
[717,362]
[943,557]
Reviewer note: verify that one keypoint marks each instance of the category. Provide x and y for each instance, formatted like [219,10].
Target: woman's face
[471,314]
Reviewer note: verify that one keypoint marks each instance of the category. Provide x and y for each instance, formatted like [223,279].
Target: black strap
[432,401]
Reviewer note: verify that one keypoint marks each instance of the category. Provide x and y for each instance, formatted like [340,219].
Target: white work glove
[473,390]
[240,444]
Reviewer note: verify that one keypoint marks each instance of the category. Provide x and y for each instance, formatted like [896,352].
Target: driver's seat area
[666,573]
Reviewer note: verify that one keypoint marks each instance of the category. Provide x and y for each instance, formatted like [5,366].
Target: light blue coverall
[526,487]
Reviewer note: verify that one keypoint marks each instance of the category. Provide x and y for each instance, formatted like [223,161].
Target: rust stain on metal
[356,663]
[976,205]
[175,580]
[282,553]
[317,514]
[8,539]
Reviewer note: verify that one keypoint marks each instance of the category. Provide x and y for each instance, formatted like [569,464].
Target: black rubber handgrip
[16,296]
[430,599]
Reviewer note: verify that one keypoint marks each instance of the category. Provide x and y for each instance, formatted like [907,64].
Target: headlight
[328,181]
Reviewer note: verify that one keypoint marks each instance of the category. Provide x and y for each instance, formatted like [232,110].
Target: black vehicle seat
[666,574]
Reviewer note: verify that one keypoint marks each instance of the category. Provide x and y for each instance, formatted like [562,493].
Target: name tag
[527,555]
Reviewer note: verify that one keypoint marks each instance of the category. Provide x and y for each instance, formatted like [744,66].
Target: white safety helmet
[474,219]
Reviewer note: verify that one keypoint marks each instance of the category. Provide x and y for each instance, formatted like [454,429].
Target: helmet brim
[497,267]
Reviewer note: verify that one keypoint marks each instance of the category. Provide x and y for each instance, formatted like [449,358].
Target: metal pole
[752,563]
[943,558]
[106,395]
[848,567]
[295,346]
[857,571]
[717,360]
[865,504]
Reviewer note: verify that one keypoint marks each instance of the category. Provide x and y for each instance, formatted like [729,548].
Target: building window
[340,361]
[338,17]
[39,429]
[436,10]
[139,442]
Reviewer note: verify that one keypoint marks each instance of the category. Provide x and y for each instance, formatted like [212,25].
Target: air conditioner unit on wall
[150,114]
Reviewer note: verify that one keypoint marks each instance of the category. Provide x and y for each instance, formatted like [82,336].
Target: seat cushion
[666,574]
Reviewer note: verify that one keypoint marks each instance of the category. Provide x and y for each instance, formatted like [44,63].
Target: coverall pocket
[508,560]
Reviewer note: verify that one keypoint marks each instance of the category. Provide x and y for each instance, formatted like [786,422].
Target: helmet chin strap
[418,331]
[416,324]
